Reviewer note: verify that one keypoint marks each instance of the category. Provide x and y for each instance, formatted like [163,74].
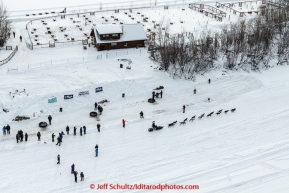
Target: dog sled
[156,128]
[151,100]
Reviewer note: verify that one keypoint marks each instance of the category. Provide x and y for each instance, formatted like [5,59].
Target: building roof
[108,29]
[130,32]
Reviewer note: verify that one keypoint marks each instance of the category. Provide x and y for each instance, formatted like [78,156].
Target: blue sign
[98,89]
[70,96]
[83,93]
[52,100]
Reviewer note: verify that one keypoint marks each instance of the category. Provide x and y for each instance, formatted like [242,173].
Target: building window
[113,44]
[114,35]
[105,36]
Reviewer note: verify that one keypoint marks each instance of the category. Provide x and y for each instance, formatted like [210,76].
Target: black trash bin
[123,95]
[60,109]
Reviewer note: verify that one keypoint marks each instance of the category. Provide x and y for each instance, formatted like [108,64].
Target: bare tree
[5,25]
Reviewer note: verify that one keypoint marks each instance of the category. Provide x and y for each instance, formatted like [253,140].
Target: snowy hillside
[242,151]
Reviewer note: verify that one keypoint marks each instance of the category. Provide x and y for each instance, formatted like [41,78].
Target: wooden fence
[30,44]
[9,57]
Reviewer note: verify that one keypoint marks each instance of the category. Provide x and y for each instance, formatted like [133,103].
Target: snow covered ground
[244,151]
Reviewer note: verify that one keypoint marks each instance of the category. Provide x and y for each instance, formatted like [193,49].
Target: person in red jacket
[123,123]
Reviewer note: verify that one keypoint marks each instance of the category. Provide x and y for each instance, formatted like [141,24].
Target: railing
[71,61]
[9,57]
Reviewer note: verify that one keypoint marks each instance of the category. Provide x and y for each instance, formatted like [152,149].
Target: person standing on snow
[21,135]
[20,38]
[58,141]
[26,136]
[58,159]
[8,129]
[4,130]
[14,34]
[123,123]
[49,119]
[67,130]
[80,131]
[96,152]
[84,130]
[98,127]
[184,108]
[161,93]
[209,81]
[81,176]
[95,105]
[17,137]
[100,109]
[72,168]
[38,135]
[75,176]
[60,135]
[141,115]
[53,137]
[153,93]
[74,130]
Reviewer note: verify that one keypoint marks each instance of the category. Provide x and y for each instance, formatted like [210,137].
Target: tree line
[248,44]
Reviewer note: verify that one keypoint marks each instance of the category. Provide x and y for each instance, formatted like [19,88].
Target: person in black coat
[80,131]
[67,130]
[20,38]
[100,109]
[153,125]
[21,135]
[53,137]
[58,141]
[209,81]
[98,127]
[81,176]
[58,159]
[8,129]
[184,108]
[17,137]
[49,119]
[74,130]
[26,136]
[141,114]
[38,135]
[153,93]
[75,175]
[95,105]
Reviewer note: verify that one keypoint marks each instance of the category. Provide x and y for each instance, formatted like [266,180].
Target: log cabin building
[112,36]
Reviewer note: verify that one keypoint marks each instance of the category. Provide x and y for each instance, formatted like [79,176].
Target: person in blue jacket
[4,130]
[96,152]
[72,168]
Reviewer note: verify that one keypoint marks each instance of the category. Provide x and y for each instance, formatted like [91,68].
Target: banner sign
[83,93]
[52,100]
[68,96]
[98,89]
